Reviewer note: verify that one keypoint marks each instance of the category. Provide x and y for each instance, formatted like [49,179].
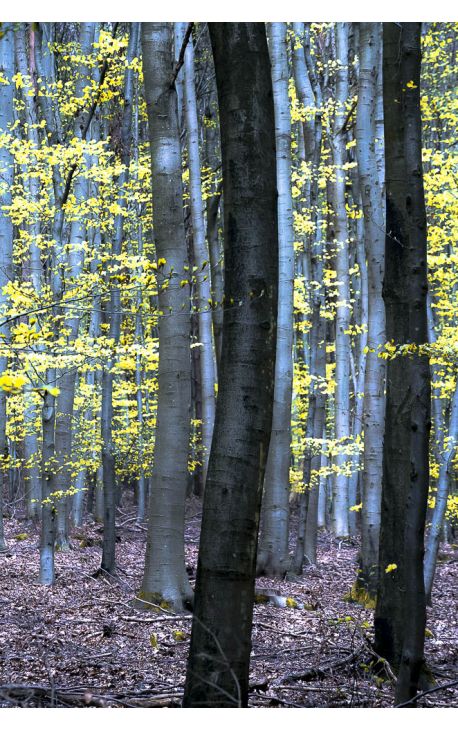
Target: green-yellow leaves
[179,635]
[356,507]
[291,603]
[389,568]
[12,383]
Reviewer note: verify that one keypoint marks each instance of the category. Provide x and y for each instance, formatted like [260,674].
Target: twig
[85,130]
[156,620]
[428,692]
[280,631]
[318,672]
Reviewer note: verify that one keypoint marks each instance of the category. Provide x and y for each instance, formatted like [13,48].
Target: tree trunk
[342,374]
[6,231]
[400,614]
[273,557]
[213,208]
[115,315]
[165,575]
[446,455]
[48,486]
[218,665]
[74,260]
[201,261]
[374,240]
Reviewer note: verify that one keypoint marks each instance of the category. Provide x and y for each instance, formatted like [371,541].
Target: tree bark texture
[218,665]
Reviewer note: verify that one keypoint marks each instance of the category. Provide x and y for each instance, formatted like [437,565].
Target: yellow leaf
[291,603]
[179,635]
[389,568]
[12,383]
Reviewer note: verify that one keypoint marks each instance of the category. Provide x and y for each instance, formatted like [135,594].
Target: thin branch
[85,130]
[428,692]
[180,61]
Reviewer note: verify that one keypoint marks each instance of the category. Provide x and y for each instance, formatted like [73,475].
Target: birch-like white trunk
[6,230]
[374,238]
[165,577]
[201,259]
[342,373]
[273,557]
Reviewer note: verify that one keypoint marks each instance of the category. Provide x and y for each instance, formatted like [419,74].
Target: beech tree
[218,665]
[374,241]
[6,232]
[400,614]
[165,578]
[201,260]
[273,558]
[340,502]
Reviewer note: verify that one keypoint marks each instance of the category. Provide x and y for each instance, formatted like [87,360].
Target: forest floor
[81,643]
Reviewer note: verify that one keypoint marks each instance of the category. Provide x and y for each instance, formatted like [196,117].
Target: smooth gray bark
[48,486]
[202,274]
[213,213]
[273,555]
[374,239]
[340,503]
[165,575]
[6,229]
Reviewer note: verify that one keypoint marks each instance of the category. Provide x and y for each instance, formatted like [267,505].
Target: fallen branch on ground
[317,672]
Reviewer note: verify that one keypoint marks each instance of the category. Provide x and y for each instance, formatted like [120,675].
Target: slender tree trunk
[273,557]
[400,614]
[447,454]
[374,239]
[6,231]
[201,260]
[115,315]
[218,664]
[48,486]
[35,274]
[74,260]
[213,209]
[342,374]
[31,459]
[165,575]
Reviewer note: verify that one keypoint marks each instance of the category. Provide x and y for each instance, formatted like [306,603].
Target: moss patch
[360,595]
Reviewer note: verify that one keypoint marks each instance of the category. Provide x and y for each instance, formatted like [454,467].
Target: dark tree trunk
[401,608]
[219,657]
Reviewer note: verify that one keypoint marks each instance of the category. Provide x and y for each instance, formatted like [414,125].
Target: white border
[235,10]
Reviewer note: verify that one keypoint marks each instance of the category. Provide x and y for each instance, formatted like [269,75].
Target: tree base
[360,594]
[159,603]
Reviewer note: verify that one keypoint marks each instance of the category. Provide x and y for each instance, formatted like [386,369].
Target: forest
[228,364]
